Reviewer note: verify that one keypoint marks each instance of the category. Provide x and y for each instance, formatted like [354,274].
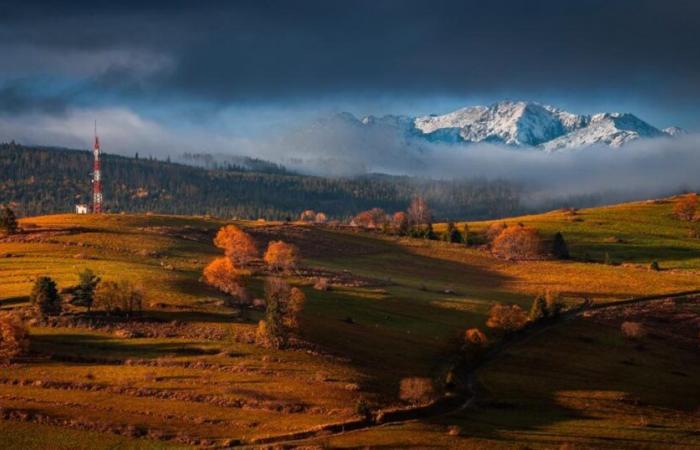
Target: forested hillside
[48,180]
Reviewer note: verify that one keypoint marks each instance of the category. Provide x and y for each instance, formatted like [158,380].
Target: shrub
[559,248]
[430,233]
[538,310]
[553,303]
[363,409]
[121,297]
[84,295]
[320,218]
[400,223]
[8,221]
[654,266]
[608,260]
[307,216]
[322,284]
[281,256]
[373,218]
[45,297]
[416,390]
[506,318]
[685,208]
[517,243]
[452,234]
[494,230]
[633,330]
[14,337]
[295,306]
[237,244]
[475,342]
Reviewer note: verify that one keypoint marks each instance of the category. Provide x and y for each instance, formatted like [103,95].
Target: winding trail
[449,404]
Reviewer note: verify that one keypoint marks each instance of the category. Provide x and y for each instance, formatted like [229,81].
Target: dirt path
[447,405]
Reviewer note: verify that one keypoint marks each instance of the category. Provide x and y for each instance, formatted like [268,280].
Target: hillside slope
[187,371]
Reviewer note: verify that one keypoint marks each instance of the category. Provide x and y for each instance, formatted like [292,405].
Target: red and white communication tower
[96,177]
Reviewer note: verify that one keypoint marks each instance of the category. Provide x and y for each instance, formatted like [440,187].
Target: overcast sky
[214,76]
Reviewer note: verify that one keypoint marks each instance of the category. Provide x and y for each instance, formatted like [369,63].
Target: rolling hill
[187,373]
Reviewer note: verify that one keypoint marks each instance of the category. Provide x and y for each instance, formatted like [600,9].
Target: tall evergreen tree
[8,221]
[84,295]
[559,248]
[45,297]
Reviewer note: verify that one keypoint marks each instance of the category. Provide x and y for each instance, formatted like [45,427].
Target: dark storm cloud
[260,50]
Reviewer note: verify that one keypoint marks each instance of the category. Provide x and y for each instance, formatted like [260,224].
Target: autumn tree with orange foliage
[517,243]
[506,318]
[237,244]
[686,207]
[400,223]
[223,275]
[281,256]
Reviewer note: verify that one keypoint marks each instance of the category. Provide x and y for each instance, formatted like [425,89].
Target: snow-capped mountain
[524,124]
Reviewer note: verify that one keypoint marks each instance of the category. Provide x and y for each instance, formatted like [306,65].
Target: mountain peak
[532,124]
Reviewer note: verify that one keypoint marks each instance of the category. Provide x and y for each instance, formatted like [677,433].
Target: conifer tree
[45,297]
[85,293]
[559,248]
[8,221]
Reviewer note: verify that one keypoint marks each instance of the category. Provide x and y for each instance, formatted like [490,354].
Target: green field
[193,378]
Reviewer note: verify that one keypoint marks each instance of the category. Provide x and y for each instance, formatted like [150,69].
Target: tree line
[40,180]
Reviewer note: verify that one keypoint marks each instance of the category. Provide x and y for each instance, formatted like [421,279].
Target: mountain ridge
[523,124]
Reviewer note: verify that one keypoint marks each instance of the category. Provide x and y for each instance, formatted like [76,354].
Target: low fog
[341,146]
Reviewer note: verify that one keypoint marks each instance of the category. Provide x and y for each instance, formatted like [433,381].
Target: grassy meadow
[193,378]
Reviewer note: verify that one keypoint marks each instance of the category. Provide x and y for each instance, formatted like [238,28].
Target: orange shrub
[517,242]
[400,222]
[321,218]
[237,244]
[474,336]
[308,215]
[14,337]
[685,208]
[281,256]
[494,230]
[295,306]
[223,275]
[507,318]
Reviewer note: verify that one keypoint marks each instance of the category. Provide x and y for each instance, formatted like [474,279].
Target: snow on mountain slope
[512,123]
[612,129]
[524,124]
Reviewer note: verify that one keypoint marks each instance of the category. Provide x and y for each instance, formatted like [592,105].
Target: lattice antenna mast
[96,176]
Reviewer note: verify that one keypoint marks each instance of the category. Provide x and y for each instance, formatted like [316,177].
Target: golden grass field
[198,381]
